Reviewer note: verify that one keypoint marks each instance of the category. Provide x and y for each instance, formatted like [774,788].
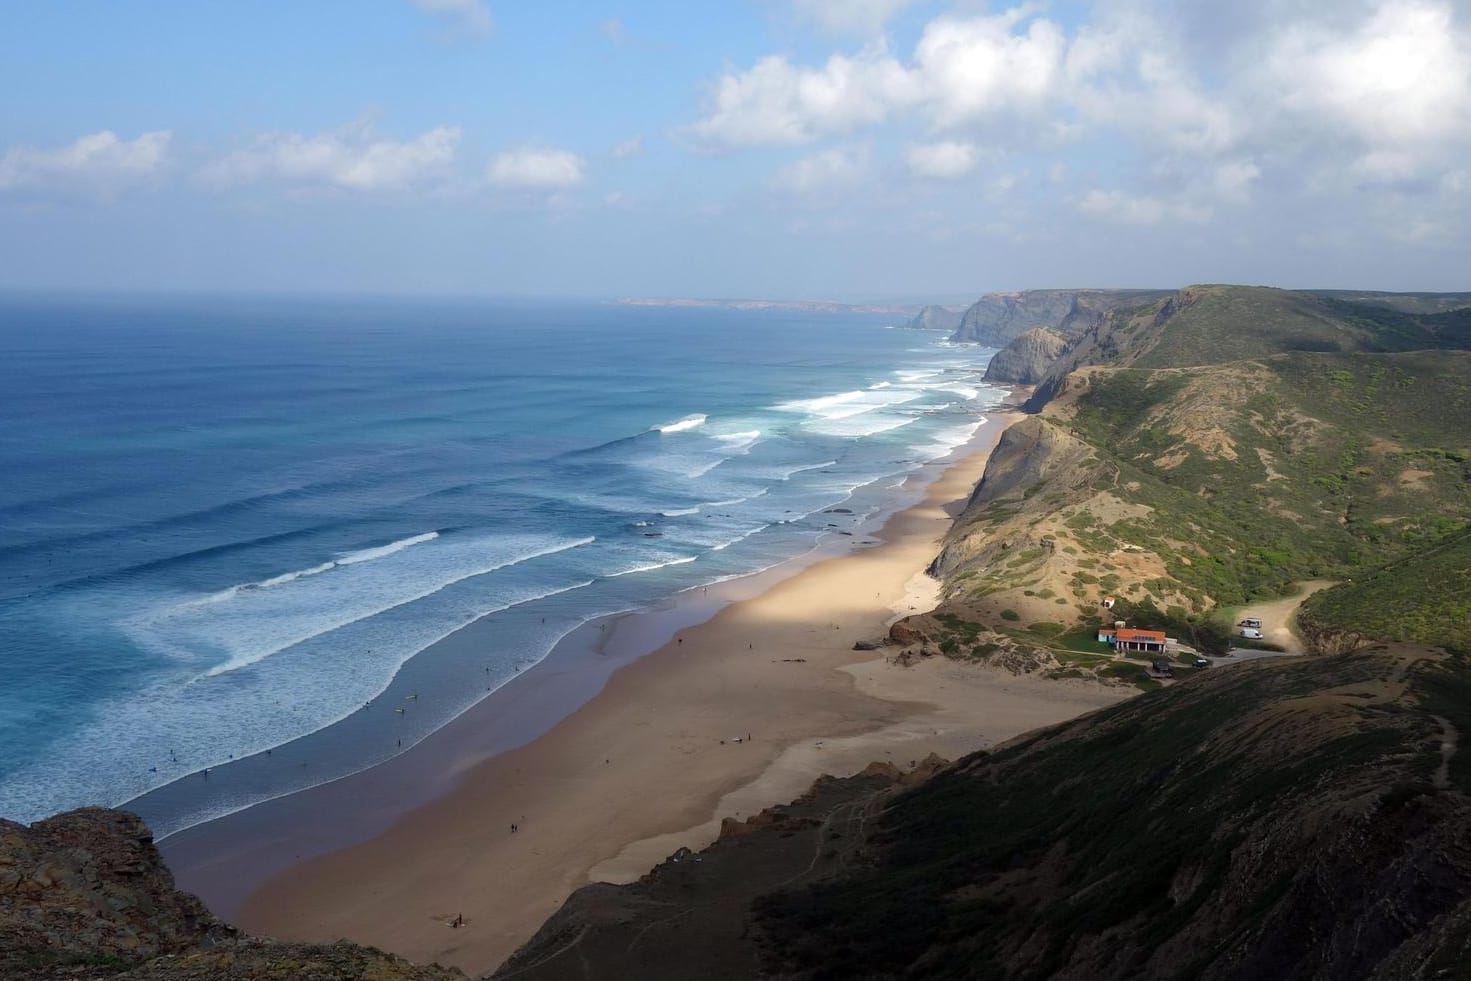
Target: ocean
[228,522]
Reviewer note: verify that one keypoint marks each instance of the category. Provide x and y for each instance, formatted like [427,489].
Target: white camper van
[1251,633]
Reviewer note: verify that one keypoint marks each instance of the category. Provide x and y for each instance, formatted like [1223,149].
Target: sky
[859,150]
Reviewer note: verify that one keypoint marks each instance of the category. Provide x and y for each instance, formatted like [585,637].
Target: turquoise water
[227,523]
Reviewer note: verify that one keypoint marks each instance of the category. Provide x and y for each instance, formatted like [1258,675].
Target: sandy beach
[732,715]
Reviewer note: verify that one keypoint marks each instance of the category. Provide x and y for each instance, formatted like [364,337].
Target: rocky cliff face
[1026,359]
[998,318]
[85,894]
[935,318]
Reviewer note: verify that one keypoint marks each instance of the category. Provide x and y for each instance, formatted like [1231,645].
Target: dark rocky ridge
[85,894]
[690,916]
[1025,360]
[1299,819]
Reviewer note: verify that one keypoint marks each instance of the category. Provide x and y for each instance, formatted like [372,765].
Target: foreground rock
[85,894]
[1305,819]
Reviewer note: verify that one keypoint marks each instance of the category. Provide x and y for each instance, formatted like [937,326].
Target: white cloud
[536,168]
[1128,75]
[850,16]
[975,66]
[99,160]
[348,158]
[777,102]
[947,159]
[471,16]
[1233,179]
[1142,209]
[963,69]
[830,170]
[629,147]
[1404,74]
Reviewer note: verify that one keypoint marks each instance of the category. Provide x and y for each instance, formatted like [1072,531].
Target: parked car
[1252,622]
[1201,662]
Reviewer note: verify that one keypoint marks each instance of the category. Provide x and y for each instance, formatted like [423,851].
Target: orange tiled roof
[1128,633]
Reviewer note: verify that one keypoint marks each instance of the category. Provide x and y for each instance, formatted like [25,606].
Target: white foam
[680,512]
[351,558]
[868,424]
[946,440]
[789,474]
[147,738]
[820,404]
[254,624]
[383,551]
[700,471]
[847,404]
[722,546]
[651,566]
[681,425]
[964,391]
[740,442]
[280,580]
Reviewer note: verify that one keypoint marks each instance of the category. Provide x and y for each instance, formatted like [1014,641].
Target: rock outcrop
[996,319]
[1025,360]
[936,318]
[85,894]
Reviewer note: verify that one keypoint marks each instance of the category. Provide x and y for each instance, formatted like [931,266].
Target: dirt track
[1279,617]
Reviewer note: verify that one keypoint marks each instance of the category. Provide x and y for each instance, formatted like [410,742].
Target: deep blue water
[225,523]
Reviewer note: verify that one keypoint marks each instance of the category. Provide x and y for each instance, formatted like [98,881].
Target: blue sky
[864,149]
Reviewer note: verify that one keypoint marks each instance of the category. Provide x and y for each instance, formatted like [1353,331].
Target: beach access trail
[733,715]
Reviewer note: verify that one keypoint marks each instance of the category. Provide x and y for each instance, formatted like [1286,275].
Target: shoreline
[663,729]
[225,858]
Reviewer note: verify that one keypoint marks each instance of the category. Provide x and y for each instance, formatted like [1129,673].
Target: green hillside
[1271,821]
[1314,445]
[1424,598]
[1220,324]
[1299,466]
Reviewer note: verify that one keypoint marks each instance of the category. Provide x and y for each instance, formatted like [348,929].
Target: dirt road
[1279,617]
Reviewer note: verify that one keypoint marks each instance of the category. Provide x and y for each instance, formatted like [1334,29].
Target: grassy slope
[1226,482]
[1424,598]
[1270,821]
[1309,465]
